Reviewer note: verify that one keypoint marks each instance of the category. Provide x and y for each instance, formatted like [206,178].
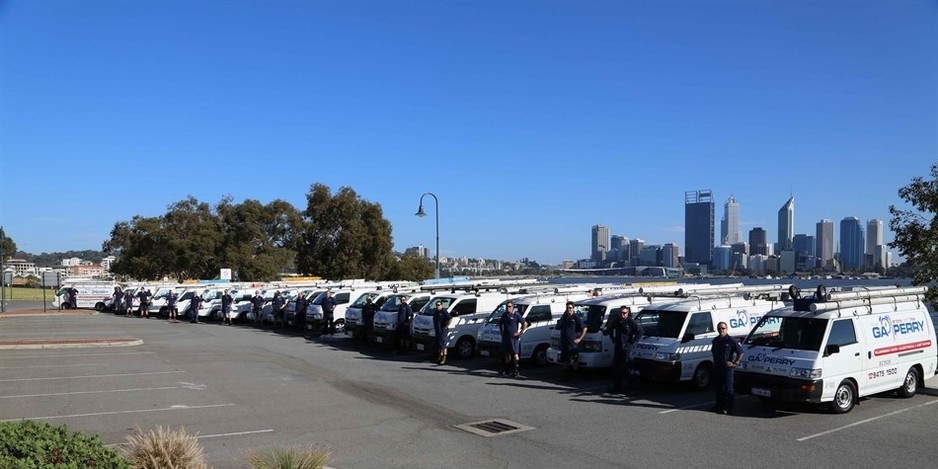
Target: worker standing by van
[727,353]
[171,309]
[128,302]
[441,319]
[276,309]
[625,333]
[328,313]
[368,317]
[117,299]
[511,325]
[404,316]
[144,308]
[257,306]
[194,304]
[72,294]
[571,333]
[226,301]
[302,304]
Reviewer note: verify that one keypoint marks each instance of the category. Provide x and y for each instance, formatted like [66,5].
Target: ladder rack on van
[828,301]
[750,291]
[483,285]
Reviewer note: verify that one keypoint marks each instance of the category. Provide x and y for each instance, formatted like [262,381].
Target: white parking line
[91,376]
[9,356]
[48,366]
[686,407]
[250,432]
[861,422]
[96,414]
[94,392]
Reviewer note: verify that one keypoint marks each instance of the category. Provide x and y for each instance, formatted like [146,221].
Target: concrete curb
[68,343]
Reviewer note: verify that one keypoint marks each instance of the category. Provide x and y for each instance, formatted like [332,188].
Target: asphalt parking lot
[239,388]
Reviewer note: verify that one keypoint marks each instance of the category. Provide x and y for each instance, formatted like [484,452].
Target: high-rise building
[618,248]
[698,226]
[722,257]
[824,244]
[874,237]
[670,256]
[635,248]
[851,244]
[600,243]
[757,242]
[786,225]
[729,225]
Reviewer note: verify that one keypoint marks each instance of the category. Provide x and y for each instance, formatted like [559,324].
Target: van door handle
[856,354]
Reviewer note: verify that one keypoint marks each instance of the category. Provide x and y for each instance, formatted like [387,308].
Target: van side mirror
[687,337]
[831,349]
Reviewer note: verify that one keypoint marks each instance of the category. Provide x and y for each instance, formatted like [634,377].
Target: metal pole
[3,274]
[421,213]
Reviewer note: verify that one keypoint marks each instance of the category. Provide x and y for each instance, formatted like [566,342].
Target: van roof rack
[828,300]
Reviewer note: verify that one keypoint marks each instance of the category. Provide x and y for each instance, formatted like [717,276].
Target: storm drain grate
[493,427]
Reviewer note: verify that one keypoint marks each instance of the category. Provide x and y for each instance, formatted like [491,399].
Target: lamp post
[420,213]
[3,274]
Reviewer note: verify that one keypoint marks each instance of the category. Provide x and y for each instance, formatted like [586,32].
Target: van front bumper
[779,388]
[658,371]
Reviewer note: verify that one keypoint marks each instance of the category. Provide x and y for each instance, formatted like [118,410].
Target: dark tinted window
[700,323]
[842,333]
[538,313]
[466,306]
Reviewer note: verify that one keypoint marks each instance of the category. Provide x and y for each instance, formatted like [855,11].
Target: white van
[836,347]
[385,321]
[678,335]
[540,312]
[354,323]
[91,295]
[468,311]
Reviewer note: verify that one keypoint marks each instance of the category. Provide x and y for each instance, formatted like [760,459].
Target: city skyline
[543,119]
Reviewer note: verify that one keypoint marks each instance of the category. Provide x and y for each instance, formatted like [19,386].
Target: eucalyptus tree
[916,230]
[259,240]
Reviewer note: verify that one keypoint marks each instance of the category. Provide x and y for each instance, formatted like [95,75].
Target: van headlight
[592,346]
[667,357]
[805,373]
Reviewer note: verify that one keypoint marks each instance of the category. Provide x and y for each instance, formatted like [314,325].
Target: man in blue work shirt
[276,308]
[72,294]
[727,353]
[404,315]
[128,302]
[625,333]
[226,301]
[511,325]
[571,333]
[194,304]
[144,297]
[441,319]
[171,305]
[257,306]
[328,313]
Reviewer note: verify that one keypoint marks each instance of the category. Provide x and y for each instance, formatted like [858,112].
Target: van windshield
[788,332]
[657,323]
[430,307]
[594,316]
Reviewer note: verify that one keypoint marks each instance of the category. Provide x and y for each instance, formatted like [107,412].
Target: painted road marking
[249,432]
[91,376]
[94,392]
[861,422]
[96,414]
[686,407]
[10,356]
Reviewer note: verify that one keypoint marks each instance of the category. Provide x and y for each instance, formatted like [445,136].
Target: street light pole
[3,274]
[420,213]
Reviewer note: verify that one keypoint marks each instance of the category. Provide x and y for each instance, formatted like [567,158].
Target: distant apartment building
[757,242]
[670,255]
[86,269]
[698,226]
[72,261]
[852,244]
[824,244]
[20,267]
[786,225]
[418,251]
[600,243]
[106,263]
[874,238]
[729,225]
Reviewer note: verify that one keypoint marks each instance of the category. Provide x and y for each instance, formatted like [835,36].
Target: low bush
[291,458]
[164,449]
[27,444]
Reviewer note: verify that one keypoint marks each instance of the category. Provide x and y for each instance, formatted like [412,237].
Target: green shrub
[164,449]
[27,444]
[292,458]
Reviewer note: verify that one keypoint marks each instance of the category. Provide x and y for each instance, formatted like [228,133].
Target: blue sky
[531,121]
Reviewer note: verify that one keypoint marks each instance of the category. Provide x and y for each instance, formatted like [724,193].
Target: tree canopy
[6,242]
[916,230]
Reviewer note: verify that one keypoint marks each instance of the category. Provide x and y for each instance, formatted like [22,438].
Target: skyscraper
[824,240]
[635,247]
[874,237]
[729,225]
[851,244]
[786,225]
[619,248]
[669,255]
[600,243]
[698,226]
[757,242]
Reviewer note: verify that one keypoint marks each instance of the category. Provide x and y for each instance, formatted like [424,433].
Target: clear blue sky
[532,121]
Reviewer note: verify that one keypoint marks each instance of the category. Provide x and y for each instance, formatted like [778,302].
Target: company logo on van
[887,328]
[743,320]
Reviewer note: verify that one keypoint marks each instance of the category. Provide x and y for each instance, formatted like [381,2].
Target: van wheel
[99,306]
[702,376]
[540,355]
[909,384]
[66,306]
[465,347]
[340,326]
[844,398]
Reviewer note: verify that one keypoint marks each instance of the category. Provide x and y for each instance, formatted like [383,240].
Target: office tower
[805,258]
[741,247]
[729,225]
[650,255]
[618,247]
[874,237]
[698,226]
[757,242]
[635,247]
[722,257]
[670,256]
[600,243]
[786,225]
[851,244]
[824,244]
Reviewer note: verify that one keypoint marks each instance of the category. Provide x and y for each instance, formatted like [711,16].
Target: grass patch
[28,294]
[290,458]
[163,448]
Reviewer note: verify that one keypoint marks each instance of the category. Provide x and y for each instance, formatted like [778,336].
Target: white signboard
[225,274]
